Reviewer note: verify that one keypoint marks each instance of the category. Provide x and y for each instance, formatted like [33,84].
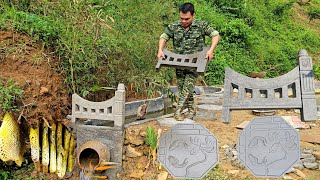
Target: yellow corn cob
[10,144]
[45,148]
[53,150]
[67,135]
[35,146]
[60,150]
[70,156]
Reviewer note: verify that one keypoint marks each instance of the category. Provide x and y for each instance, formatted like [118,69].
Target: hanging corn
[53,150]
[35,146]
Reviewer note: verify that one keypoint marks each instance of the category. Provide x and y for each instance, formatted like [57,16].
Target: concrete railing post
[309,106]
[119,105]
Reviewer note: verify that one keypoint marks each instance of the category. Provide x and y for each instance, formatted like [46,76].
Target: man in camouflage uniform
[188,37]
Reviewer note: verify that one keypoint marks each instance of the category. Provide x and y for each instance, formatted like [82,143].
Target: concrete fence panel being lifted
[294,90]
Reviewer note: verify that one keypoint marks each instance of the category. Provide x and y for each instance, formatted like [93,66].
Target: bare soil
[226,134]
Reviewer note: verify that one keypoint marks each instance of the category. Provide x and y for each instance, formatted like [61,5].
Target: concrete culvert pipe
[94,152]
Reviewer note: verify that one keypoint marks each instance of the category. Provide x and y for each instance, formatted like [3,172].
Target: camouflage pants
[185,80]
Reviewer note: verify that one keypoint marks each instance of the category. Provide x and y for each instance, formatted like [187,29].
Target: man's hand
[209,55]
[160,55]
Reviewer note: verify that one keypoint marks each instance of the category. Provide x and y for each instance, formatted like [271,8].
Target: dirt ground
[226,134]
[44,93]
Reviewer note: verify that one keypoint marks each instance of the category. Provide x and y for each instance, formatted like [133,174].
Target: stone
[309,160]
[188,151]
[316,154]
[206,107]
[162,175]
[233,172]
[205,116]
[306,156]
[307,151]
[291,170]
[300,173]
[137,174]
[312,125]
[170,122]
[287,177]
[44,90]
[225,146]
[235,153]
[299,165]
[312,165]
[269,139]
[133,137]
[210,100]
[132,152]
[143,134]
[142,162]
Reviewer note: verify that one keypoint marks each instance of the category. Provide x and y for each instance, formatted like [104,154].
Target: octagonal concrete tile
[269,146]
[188,151]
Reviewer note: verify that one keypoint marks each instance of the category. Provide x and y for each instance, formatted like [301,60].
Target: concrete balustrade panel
[294,90]
[112,109]
[269,146]
[188,151]
[196,61]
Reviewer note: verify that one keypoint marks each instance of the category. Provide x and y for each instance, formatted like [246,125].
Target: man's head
[186,14]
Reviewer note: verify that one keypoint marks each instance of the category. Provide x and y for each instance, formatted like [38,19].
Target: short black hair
[187,7]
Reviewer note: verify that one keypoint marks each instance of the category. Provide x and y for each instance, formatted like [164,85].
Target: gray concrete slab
[188,151]
[269,146]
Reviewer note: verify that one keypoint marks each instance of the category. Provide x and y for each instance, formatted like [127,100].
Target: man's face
[186,19]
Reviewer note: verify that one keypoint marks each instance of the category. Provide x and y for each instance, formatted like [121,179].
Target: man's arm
[215,40]
[162,45]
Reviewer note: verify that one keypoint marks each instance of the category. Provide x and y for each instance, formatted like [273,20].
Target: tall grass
[105,42]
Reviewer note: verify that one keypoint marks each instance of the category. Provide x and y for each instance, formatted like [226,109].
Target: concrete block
[269,146]
[196,61]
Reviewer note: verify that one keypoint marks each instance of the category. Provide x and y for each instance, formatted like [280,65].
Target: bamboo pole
[35,147]
[45,148]
[70,156]
[53,149]
[60,150]
[67,136]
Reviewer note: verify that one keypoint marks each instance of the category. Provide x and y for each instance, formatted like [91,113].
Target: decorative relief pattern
[188,151]
[269,146]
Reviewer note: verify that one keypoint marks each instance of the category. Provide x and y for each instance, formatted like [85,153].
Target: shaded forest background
[100,43]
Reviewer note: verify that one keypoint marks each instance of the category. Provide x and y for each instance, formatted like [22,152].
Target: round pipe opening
[89,156]
[94,153]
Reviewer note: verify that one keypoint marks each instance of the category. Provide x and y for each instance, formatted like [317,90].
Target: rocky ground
[136,163]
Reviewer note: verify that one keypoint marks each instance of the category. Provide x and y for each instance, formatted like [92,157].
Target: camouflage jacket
[188,41]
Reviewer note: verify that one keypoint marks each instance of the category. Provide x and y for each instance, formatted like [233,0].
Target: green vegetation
[105,42]
[9,94]
[152,142]
[215,174]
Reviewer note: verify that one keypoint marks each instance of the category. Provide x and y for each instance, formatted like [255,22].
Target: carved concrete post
[309,106]
[119,104]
